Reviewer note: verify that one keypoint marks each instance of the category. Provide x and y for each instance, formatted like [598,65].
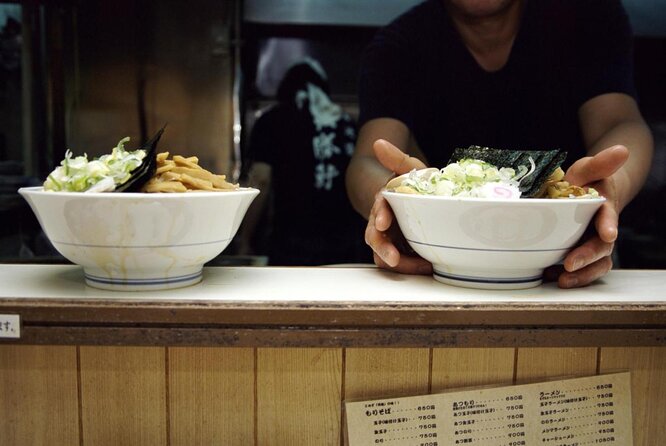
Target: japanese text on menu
[574,412]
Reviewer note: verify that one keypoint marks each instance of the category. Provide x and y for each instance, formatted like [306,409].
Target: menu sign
[586,411]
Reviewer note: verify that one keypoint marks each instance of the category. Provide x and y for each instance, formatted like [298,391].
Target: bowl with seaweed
[138,219]
[491,218]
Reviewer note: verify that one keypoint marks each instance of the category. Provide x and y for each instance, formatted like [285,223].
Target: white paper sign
[586,411]
[10,326]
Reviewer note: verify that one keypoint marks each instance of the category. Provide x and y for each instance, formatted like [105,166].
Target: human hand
[592,258]
[382,233]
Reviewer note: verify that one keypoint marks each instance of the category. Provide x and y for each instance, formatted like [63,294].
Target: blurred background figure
[300,148]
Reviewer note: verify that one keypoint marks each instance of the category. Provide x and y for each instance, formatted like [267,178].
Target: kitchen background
[81,75]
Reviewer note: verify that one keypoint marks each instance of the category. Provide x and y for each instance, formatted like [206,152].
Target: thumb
[395,159]
[594,168]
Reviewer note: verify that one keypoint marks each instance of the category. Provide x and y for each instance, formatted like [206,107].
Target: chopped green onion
[109,171]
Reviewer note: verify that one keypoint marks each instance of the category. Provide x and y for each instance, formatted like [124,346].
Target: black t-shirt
[417,70]
[313,220]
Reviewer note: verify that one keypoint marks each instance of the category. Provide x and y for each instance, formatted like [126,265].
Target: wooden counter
[265,356]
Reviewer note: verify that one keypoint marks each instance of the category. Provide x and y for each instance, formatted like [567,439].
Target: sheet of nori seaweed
[546,161]
[146,170]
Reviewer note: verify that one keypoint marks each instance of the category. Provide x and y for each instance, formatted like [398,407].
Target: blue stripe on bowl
[484,249]
[143,246]
[487,279]
[169,280]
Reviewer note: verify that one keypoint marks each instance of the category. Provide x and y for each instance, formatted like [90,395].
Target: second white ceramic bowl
[489,243]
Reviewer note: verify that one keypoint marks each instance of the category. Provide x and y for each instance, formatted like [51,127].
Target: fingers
[407,265]
[594,168]
[395,159]
[589,252]
[586,263]
[382,213]
[606,222]
[379,233]
[381,245]
[587,275]
[580,277]
[387,256]
[382,240]
[379,222]
[592,259]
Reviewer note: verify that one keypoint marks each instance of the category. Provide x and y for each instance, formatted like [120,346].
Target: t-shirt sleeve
[606,50]
[384,79]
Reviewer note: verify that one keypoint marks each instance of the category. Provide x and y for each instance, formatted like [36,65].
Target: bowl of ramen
[154,233]
[489,227]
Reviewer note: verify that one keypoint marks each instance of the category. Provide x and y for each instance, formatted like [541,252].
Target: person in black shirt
[513,74]
[303,145]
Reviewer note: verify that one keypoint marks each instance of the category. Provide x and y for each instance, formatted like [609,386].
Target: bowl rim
[513,201]
[39,190]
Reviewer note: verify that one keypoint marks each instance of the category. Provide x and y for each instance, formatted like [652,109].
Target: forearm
[636,136]
[365,177]
[614,119]
[365,174]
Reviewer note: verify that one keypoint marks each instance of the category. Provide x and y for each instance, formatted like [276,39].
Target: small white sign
[10,326]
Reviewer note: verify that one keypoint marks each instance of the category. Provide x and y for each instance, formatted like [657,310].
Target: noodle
[181,174]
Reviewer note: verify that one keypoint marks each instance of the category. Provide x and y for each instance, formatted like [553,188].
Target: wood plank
[541,364]
[123,396]
[375,373]
[454,368]
[38,395]
[211,396]
[210,311]
[311,336]
[648,388]
[298,396]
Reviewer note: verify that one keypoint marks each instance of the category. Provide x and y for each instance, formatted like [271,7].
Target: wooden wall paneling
[375,373]
[542,364]
[211,395]
[298,396]
[454,368]
[38,395]
[648,388]
[123,396]
[191,90]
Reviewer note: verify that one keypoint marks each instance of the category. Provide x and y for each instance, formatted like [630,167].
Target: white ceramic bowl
[491,244]
[140,241]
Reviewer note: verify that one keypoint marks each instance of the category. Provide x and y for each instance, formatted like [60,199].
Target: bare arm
[614,119]
[366,175]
